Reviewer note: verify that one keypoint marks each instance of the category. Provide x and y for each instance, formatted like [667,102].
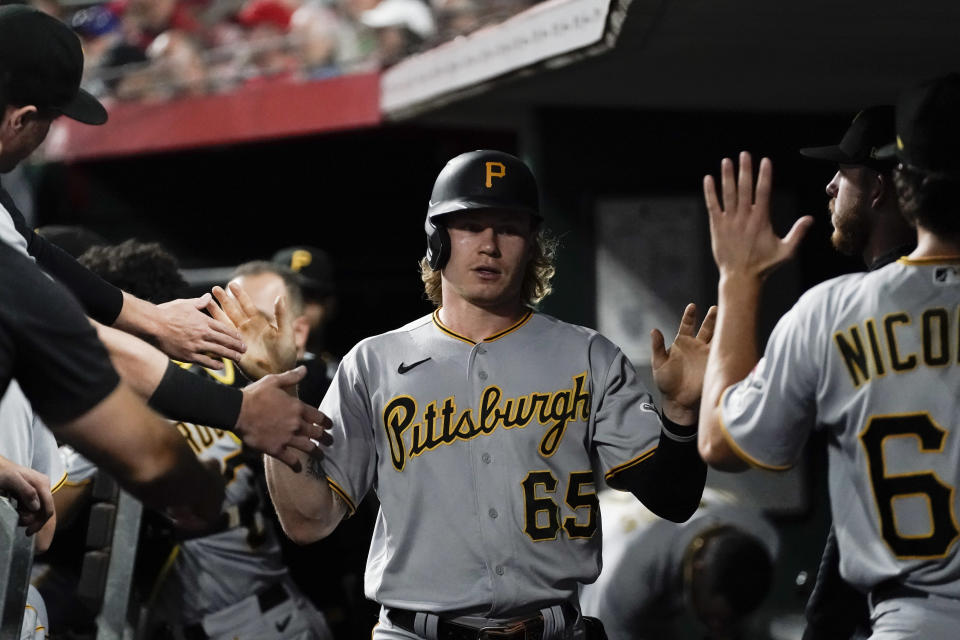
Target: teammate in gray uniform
[870,357]
[479,426]
[660,579]
[867,223]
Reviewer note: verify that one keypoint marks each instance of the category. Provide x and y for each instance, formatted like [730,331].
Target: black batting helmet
[473,181]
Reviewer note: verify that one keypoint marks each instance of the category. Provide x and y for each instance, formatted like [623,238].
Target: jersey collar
[450,332]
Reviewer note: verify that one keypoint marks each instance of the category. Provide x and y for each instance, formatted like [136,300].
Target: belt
[892,588]
[531,628]
[267,599]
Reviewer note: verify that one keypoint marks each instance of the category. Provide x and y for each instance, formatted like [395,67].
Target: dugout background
[688,83]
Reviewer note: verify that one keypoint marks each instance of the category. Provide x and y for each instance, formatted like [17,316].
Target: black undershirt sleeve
[670,482]
[51,349]
[101,300]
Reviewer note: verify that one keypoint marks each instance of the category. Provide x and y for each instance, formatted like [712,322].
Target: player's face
[850,213]
[20,141]
[489,252]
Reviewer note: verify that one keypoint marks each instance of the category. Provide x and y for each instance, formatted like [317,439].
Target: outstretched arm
[746,251]
[670,482]
[307,507]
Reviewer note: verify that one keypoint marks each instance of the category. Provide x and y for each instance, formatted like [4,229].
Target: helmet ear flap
[438,245]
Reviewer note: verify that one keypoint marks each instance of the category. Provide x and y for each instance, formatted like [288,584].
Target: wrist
[682,416]
[138,317]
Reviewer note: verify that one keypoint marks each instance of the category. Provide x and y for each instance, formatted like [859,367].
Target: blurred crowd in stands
[154,50]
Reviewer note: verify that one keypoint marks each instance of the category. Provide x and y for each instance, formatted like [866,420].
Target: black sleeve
[101,300]
[670,482]
[835,609]
[51,349]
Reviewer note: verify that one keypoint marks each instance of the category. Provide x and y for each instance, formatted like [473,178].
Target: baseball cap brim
[886,152]
[832,153]
[85,108]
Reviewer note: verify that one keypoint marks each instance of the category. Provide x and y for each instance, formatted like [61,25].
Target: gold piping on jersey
[916,262]
[229,375]
[442,424]
[162,574]
[62,481]
[453,334]
[630,463]
[79,483]
[351,505]
[740,453]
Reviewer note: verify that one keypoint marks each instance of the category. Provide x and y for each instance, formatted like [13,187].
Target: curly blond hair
[536,281]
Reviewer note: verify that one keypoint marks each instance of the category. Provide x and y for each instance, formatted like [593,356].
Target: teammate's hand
[31,490]
[743,241]
[185,333]
[274,422]
[678,371]
[271,347]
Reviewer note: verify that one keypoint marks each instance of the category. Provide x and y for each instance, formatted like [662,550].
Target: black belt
[526,629]
[267,599]
[889,589]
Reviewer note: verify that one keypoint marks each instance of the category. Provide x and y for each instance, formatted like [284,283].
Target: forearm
[144,453]
[100,299]
[141,365]
[733,354]
[306,505]
[137,316]
[670,482]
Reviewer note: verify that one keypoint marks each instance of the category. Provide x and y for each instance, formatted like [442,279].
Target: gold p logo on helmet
[501,170]
[300,259]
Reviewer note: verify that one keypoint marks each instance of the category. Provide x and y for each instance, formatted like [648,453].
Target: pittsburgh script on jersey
[872,355]
[447,425]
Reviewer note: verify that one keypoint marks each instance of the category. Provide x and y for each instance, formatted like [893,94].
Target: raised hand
[185,333]
[742,238]
[272,421]
[678,371]
[270,345]
[31,490]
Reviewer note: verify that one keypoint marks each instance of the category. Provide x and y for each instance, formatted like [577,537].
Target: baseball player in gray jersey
[660,578]
[479,427]
[870,357]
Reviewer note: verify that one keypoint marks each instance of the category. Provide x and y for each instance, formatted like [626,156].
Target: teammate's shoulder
[833,290]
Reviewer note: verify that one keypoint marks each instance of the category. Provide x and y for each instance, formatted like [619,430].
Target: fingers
[217,313]
[687,321]
[709,323]
[658,347]
[289,458]
[288,378]
[284,323]
[25,494]
[764,184]
[224,333]
[796,233]
[201,302]
[312,416]
[728,185]
[710,197]
[745,180]
[305,444]
[230,306]
[224,346]
[207,361]
[249,309]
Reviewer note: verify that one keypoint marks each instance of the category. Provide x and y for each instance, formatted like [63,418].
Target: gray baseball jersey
[210,575]
[481,456]
[872,358]
[638,594]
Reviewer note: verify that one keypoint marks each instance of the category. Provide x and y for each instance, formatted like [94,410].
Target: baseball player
[479,425]
[229,582]
[28,442]
[659,577]
[867,223]
[870,357]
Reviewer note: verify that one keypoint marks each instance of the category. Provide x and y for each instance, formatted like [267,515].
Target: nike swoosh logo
[403,368]
[282,625]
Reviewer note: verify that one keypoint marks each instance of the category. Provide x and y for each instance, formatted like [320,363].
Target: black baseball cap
[928,127]
[870,130]
[41,63]
[312,266]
